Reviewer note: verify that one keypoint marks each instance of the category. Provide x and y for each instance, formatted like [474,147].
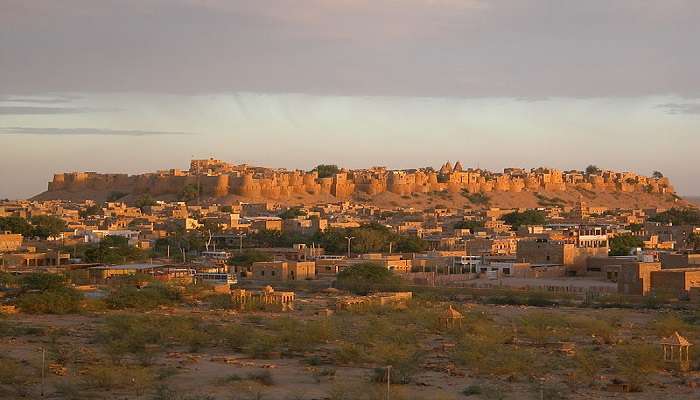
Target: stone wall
[256,182]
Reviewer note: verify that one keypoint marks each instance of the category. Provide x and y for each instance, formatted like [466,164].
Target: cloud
[39,110]
[432,48]
[681,108]
[83,131]
[48,99]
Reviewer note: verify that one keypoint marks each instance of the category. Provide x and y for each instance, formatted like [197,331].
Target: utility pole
[349,238]
[43,368]
[390,245]
[388,382]
[240,242]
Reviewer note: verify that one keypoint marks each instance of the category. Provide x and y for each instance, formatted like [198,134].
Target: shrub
[366,277]
[486,356]
[588,366]
[41,281]
[635,362]
[472,390]
[220,302]
[60,300]
[541,327]
[263,377]
[622,245]
[142,336]
[146,298]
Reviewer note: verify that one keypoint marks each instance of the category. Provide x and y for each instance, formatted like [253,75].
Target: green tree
[291,213]
[622,245]
[471,225]
[114,196]
[47,226]
[189,193]
[41,281]
[113,250]
[326,170]
[95,209]
[678,216]
[15,224]
[145,201]
[593,170]
[411,244]
[657,175]
[367,277]
[60,300]
[248,257]
[529,217]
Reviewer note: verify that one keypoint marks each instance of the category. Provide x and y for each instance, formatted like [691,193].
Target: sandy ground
[206,372]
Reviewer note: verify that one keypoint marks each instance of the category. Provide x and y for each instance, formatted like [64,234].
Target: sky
[138,85]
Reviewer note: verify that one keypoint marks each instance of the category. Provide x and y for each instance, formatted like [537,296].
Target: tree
[622,245]
[15,224]
[94,209]
[471,225]
[248,257]
[411,244]
[694,241]
[114,196]
[145,201]
[292,213]
[678,216]
[529,217]
[41,281]
[113,250]
[47,226]
[367,277]
[657,175]
[593,170]
[189,193]
[326,170]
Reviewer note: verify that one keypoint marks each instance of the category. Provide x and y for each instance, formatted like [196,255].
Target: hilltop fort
[216,179]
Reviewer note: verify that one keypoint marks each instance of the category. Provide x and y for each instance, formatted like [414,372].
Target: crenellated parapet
[216,178]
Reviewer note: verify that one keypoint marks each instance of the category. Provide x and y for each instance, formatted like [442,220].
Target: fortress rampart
[216,178]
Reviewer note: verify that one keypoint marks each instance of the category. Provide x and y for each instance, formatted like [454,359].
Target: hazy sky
[137,85]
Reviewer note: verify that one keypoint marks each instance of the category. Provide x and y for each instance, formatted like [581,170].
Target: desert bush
[131,334]
[263,377]
[11,372]
[601,329]
[542,327]
[667,324]
[237,337]
[58,300]
[635,362]
[262,345]
[12,328]
[220,302]
[300,336]
[404,359]
[347,353]
[485,356]
[69,390]
[41,281]
[472,390]
[146,298]
[110,376]
[588,365]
